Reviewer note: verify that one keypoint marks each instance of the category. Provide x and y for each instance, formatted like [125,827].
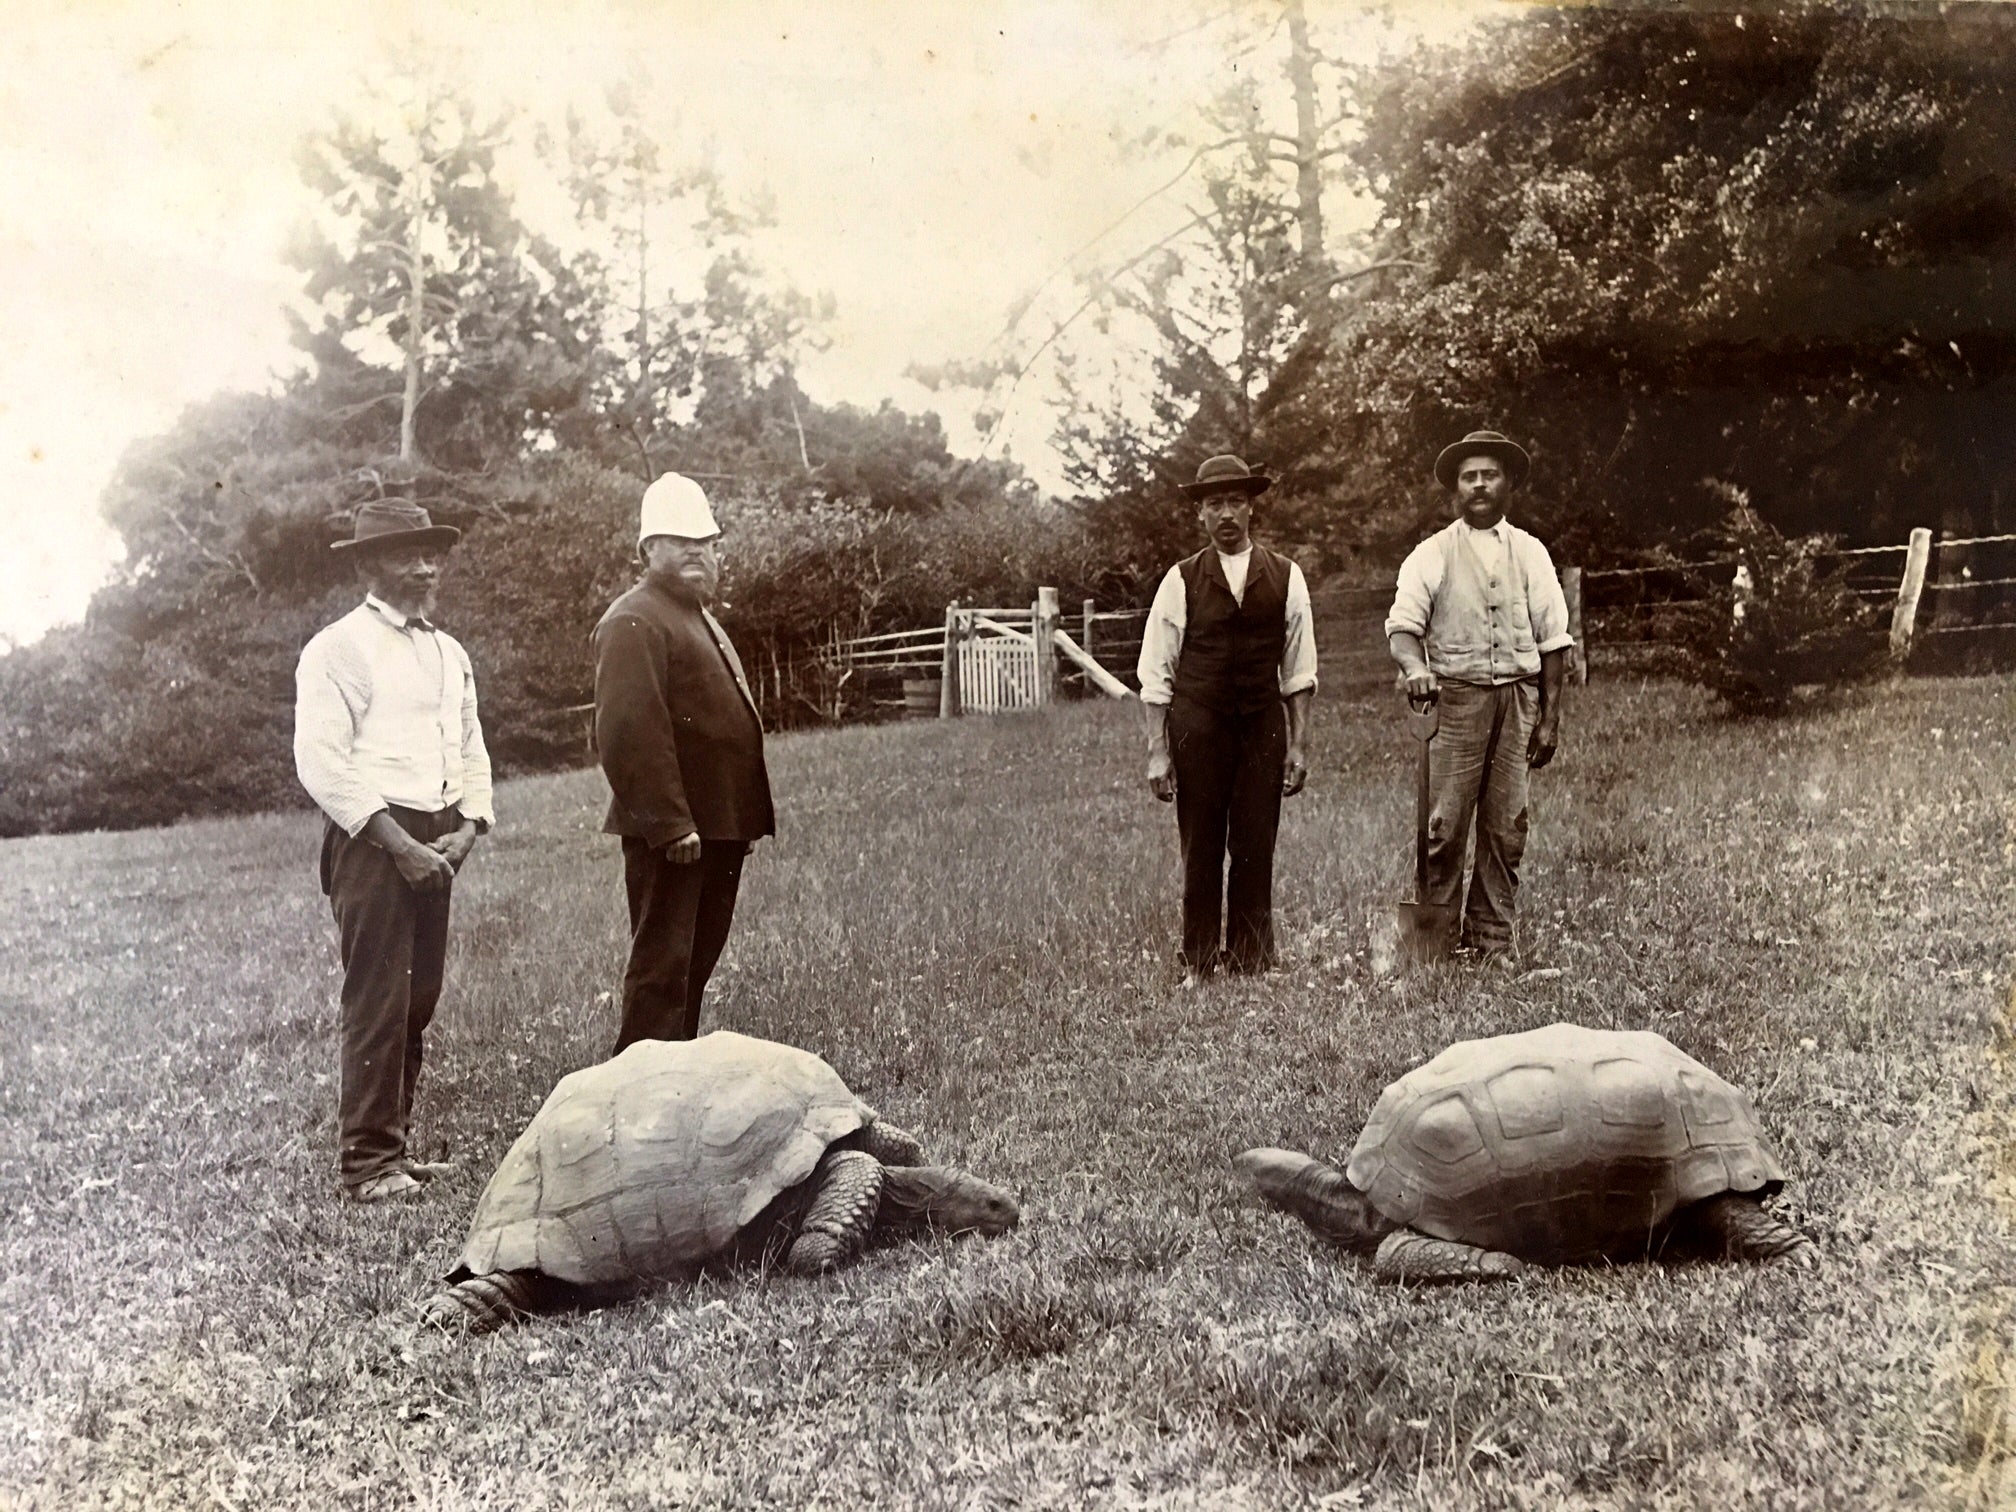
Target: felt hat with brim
[1227,474]
[384,523]
[1483,444]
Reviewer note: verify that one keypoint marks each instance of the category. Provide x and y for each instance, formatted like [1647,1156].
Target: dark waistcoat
[1231,657]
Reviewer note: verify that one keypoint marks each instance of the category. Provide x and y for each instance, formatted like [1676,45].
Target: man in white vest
[1479,623]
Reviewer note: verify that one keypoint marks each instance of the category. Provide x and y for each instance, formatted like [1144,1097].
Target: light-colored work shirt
[1485,603]
[385,713]
[1162,635]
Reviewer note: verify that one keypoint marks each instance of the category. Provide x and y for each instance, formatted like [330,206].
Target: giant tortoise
[674,1154]
[1557,1145]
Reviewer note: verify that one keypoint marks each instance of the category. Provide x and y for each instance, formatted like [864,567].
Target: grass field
[974,922]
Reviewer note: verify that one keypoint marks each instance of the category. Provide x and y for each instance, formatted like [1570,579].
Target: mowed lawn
[974,922]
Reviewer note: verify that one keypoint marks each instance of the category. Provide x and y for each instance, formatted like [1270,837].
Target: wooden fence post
[1044,617]
[1085,641]
[948,667]
[1905,616]
[1578,658]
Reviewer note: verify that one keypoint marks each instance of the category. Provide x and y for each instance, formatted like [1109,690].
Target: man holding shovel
[1227,668]
[1480,629]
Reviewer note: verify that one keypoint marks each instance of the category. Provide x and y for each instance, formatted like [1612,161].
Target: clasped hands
[430,866]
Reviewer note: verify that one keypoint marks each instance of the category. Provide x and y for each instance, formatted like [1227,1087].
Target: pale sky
[930,164]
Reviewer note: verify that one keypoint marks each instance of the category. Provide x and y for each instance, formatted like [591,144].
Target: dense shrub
[164,706]
[1776,618]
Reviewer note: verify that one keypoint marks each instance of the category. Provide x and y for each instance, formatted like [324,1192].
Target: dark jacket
[675,726]
[1231,656]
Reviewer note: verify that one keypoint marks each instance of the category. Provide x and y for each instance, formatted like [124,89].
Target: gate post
[1571,592]
[1045,619]
[948,668]
[1904,618]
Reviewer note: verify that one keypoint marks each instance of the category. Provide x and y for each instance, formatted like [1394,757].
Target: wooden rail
[1103,680]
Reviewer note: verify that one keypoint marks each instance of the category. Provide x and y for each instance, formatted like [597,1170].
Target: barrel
[920,697]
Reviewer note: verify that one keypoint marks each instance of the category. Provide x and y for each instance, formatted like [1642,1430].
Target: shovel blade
[1428,931]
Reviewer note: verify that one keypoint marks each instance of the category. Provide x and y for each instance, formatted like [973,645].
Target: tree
[691,329]
[1768,248]
[1211,338]
[421,259]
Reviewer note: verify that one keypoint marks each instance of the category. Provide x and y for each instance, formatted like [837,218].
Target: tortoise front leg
[1737,1227]
[480,1304]
[846,1192]
[1408,1255]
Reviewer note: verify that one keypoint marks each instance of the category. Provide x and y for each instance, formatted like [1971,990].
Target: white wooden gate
[1001,659]
[997,673]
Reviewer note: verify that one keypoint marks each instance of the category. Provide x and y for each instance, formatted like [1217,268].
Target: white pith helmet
[675,505]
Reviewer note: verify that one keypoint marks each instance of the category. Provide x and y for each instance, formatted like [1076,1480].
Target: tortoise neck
[911,1197]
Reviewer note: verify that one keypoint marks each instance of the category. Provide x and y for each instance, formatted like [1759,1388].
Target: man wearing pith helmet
[1479,624]
[387,743]
[1227,669]
[680,741]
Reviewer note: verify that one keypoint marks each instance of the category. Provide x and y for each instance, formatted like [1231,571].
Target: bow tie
[415,622]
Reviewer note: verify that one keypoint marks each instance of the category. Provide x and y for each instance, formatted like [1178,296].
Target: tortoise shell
[1558,1144]
[652,1163]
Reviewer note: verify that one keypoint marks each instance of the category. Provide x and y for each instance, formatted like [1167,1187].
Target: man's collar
[1498,529]
[1233,556]
[393,617]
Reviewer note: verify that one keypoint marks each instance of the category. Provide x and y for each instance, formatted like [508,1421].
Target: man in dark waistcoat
[1227,668]
[679,739]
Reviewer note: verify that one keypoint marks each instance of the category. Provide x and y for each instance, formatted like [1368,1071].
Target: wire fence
[1635,615]
[1632,617]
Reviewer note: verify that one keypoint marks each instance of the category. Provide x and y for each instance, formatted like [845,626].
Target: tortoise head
[945,1200]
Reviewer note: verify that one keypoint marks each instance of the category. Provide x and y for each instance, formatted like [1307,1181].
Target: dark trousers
[679,918]
[394,944]
[1228,805]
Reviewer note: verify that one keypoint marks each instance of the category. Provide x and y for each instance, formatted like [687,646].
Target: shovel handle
[1425,721]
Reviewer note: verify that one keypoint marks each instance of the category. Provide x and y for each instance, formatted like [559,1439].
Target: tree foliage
[1768,251]
[420,255]
[1769,248]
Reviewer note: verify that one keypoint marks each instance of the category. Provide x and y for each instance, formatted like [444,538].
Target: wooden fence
[993,659]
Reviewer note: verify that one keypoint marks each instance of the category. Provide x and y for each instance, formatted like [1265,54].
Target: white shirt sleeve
[476,790]
[1414,594]
[1546,605]
[327,707]
[1162,640]
[1298,656]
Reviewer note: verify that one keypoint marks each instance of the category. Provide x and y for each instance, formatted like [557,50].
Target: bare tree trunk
[640,418]
[416,301]
[1308,144]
